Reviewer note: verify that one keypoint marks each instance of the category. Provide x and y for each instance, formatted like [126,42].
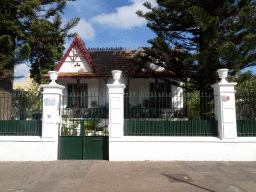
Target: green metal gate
[84,127]
[86,144]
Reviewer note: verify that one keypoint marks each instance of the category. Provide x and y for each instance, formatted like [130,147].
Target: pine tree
[24,35]
[212,34]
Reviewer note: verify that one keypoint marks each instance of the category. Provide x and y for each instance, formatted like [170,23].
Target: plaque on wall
[227,102]
[49,102]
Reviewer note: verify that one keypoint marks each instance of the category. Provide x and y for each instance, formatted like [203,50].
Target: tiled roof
[106,61]
[103,62]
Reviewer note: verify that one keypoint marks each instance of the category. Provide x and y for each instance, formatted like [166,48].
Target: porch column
[51,109]
[116,106]
[225,108]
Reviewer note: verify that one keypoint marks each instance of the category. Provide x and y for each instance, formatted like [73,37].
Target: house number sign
[225,98]
[49,102]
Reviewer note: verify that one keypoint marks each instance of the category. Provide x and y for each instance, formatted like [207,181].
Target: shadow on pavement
[175,179]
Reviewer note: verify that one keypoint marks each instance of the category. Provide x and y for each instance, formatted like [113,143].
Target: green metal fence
[170,128]
[21,127]
[246,128]
[246,115]
[21,113]
[187,114]
[84,113]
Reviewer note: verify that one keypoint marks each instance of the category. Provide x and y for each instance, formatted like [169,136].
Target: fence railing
[187,106]
[170,128]
[246,128]
[20,114]
[21,127]
[84,114]
[245,107]
[246,115]
[187,114]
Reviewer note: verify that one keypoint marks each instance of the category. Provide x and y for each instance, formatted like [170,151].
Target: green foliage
[25,36]
[65,130]
[221,35]
[68,130]
[28,103]
[6,53]
[35,96]
[192,102]
[245,82]
[245,94]
[94,104]
[92,127]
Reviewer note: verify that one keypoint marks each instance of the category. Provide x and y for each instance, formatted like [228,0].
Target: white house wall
[102,89]
[134,88]
[93,85]
[141,86]
[177,99]
[137,86]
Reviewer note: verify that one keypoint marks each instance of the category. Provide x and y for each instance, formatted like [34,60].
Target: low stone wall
[139,148]
[28,148]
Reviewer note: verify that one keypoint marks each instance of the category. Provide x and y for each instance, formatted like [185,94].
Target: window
[77,96]
[160,88]
[160,95]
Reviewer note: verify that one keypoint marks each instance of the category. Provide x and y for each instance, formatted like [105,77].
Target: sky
[106,23]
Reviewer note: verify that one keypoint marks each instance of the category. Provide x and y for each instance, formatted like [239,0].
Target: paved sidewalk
[89,175]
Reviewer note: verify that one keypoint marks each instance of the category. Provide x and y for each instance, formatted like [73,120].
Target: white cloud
[84,30]
[125,17]
[21,69]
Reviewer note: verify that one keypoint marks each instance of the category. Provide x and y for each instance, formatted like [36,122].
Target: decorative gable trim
[83,49]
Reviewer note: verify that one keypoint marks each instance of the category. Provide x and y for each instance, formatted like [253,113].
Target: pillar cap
[116,85]
[224,84]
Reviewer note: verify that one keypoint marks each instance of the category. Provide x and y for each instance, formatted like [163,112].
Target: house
[85,71]
[26,85]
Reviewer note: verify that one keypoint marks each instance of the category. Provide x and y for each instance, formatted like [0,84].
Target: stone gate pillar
[52,94]
[116,106]
[225,108]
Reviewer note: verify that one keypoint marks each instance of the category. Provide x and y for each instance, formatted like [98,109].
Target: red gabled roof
[84,51]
